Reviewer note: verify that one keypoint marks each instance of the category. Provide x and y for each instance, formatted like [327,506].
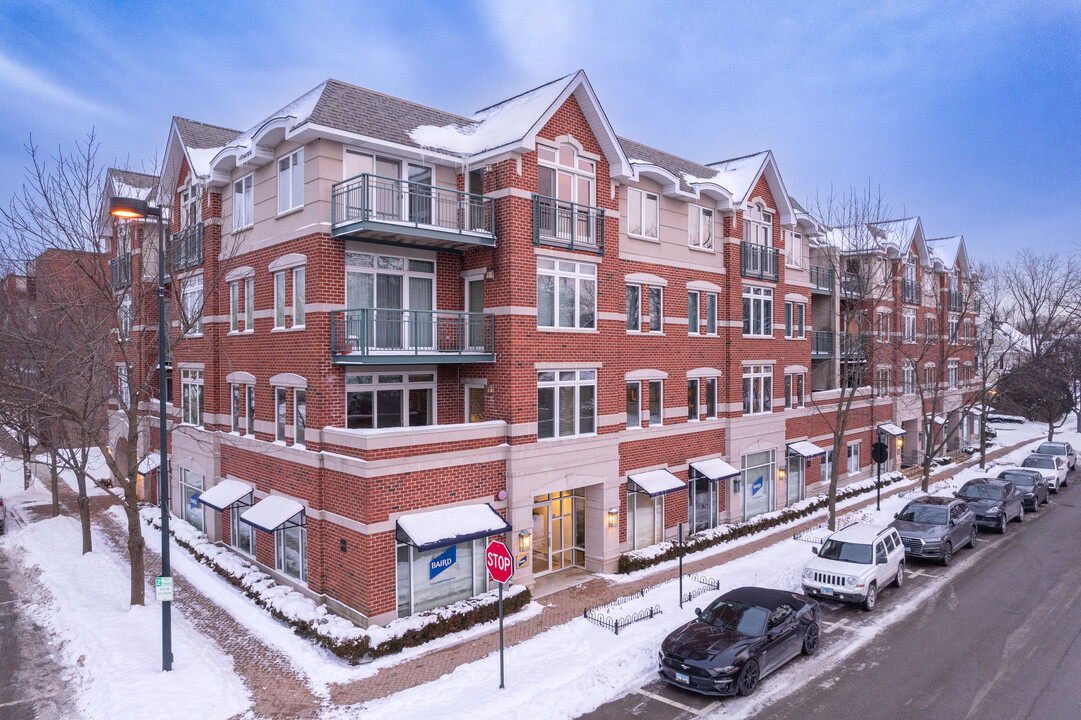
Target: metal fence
[616,623]
[563,223]
[368,197]
[758,261]
[389,330]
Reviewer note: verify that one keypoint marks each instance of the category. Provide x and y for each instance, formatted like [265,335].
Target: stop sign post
[880,453]
[500,566]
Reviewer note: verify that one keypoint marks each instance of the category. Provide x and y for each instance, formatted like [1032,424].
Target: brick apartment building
[421,330]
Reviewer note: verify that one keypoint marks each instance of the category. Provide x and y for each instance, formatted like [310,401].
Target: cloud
[536,36]
[36,85]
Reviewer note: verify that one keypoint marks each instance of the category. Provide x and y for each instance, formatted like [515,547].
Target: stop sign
[499,561]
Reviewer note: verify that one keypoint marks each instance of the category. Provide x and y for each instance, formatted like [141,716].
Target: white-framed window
[634,308]
[700,227]
[827,466]
[929,327]
[882,382]
[795,315]
[656,309]
[249,304]
[952,325]
[191,484]
[474,403]
[757,389]
[930,377]
[291,181]
[566,294]
[298,297]
[390,285]
[243,202]
[758,225]
[693,318]
[634,404]
[645,518]
[249,409]
[854,457]
[703,501]
[281,413]
[279,299]
[124,315]
[291,548]
[656,402]
[190,210]
[191,396]
[122,232]
[757,311]
[882,331]
[566,403]
[236,402]
[234,306]
[565,174]
[241,534]
[389,400]
[711,313]
[300,416]
[418,589]
[952,369]
[123,384]
[908,376]
[908,327]
[192,298]
[643,219]
[794,250]
[694,405]
[709,396]
[758,475]
[794,389]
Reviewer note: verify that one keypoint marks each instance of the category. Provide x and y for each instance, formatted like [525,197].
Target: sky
[966,114]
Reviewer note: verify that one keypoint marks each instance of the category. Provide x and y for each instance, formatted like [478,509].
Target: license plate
[827,591]
[683,678]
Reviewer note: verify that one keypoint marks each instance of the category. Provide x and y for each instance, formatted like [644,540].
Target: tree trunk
[84,510]
[54,482]
[835,475]
[983,439]
[24,446]
[135,546]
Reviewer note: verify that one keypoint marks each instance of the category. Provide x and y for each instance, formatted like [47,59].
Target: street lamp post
[129,208]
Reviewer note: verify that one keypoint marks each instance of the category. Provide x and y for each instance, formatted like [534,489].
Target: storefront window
[241,534]
[645,519]
[759,470]
[191,484]
[703,502]
[291,548]
[429,579]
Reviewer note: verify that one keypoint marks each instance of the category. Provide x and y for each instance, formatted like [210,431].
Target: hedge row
[629,563]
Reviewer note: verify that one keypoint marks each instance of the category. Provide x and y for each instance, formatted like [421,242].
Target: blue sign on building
[756,486]
[194,502]
[442,561]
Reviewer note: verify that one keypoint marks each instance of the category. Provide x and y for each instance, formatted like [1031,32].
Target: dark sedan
[738,639]
[932,527]
[995,502]
[1032,485]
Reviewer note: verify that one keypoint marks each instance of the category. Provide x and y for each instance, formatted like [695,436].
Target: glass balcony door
[474,303]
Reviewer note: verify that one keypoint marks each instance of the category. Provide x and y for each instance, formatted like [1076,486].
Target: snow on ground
[11,477]
[113,651]
[96,468]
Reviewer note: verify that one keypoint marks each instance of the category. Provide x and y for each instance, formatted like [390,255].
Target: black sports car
[739,638]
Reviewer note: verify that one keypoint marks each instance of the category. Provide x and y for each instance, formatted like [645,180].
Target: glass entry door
[795,479]
[559,531]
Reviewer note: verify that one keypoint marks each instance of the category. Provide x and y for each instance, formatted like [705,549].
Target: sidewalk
[566,605]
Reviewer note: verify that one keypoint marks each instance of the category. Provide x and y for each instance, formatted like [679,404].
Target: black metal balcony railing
[758,261]
[120,271]
[910,291]
[821,279]
[821,344]
[852,346]
[369,198]
[567,224]
[851,286]
[954,300]
[977,306]
[373,335]
[187,248]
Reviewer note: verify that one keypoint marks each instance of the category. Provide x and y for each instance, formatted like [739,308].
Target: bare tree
[994,339]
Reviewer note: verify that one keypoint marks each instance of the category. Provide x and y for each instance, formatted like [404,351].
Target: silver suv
[1063,449]
[855,563]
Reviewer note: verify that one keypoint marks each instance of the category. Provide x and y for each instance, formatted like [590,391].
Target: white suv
[855,563]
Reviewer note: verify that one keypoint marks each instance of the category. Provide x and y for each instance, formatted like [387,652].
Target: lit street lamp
[129,208]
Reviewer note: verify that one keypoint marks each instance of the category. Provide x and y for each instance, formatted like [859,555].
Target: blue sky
[967,116]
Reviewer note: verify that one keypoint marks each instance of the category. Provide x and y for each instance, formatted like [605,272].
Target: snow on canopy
[806,449]
[715,469]
[656,482]
[450,526]
[271,512]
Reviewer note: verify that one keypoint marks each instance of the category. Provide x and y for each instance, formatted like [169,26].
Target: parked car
[3,517]
[995,502]
[1030,482]
[855,563]
[931,527]
[1060,448]
[738,639]
[1052,467]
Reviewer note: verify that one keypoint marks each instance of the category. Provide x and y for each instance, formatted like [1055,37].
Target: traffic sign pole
[501,567]
[500,636]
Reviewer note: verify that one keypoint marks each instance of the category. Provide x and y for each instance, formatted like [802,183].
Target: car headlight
[726,670]
[808,573]
[660,656]
[850,580]
[994,509]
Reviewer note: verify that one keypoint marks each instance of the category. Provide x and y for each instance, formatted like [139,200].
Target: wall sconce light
[735,484]
[489,389]
[489,275]
[613,517]
[900,443]
[780,474]
[489,168]
[525,540]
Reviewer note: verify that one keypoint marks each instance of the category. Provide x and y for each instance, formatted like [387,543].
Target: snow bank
[113,651]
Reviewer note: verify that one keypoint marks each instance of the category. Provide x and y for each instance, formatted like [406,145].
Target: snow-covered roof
[450,526]
[806,448]
[656,482]
[224,494]
[150,463]
[271,513]
[950,252]
[715,469]
[891,429]
[740,174]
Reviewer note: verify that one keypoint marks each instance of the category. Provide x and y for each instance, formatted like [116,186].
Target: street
[997,638]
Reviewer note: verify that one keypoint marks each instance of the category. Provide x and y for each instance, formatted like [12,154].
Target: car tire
[947,554]
[972,538]
[871,599]
[1021,513]
[1065,482]
[899,578]
[1001,529]
[1036,504]
[748,678]
[1052,490]
[810,640]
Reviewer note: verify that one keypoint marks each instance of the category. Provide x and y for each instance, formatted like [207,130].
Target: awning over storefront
[656,482]
[272,513]
[224,494]
[805,449]
[940,419]
[891,429]
[975,411]
[450,526]
[715,469]
[150,463]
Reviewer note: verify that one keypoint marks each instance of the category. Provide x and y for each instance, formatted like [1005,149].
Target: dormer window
[563,173]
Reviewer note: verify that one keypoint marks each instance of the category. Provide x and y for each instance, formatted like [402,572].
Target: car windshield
[1039,462]
[982,492]
[743,618]
[1018,478]
[1048,449]
[846,552]
[927,514]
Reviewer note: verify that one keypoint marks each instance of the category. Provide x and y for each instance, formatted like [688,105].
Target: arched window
[565,174]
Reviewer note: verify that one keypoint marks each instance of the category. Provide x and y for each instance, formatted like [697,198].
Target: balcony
[388,336]
[566,224]
[910,292]
[187,248]
[852,347]
[851,287]
[954,300]
[120,271]
[821,280]
[758,261]
[821,344]
[383,208]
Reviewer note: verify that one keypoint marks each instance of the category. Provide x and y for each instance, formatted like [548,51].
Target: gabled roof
[740,174]
[892,238]
[950,252]
[124,183]
[202,135]
[679,168]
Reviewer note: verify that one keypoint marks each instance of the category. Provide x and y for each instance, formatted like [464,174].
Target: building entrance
[559,531]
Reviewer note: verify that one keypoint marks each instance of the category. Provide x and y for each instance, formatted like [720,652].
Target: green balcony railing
[822,279]
[954,300]
[851,286]
[120,271]
[758,261]
[369,198]
[821,344]
[910,291]
[566,224]
[852,346]
[373,335]
[187,248]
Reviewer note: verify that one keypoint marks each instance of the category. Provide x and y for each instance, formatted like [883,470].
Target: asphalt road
[998,636]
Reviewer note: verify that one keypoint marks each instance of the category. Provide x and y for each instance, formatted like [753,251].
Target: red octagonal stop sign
[499,561]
